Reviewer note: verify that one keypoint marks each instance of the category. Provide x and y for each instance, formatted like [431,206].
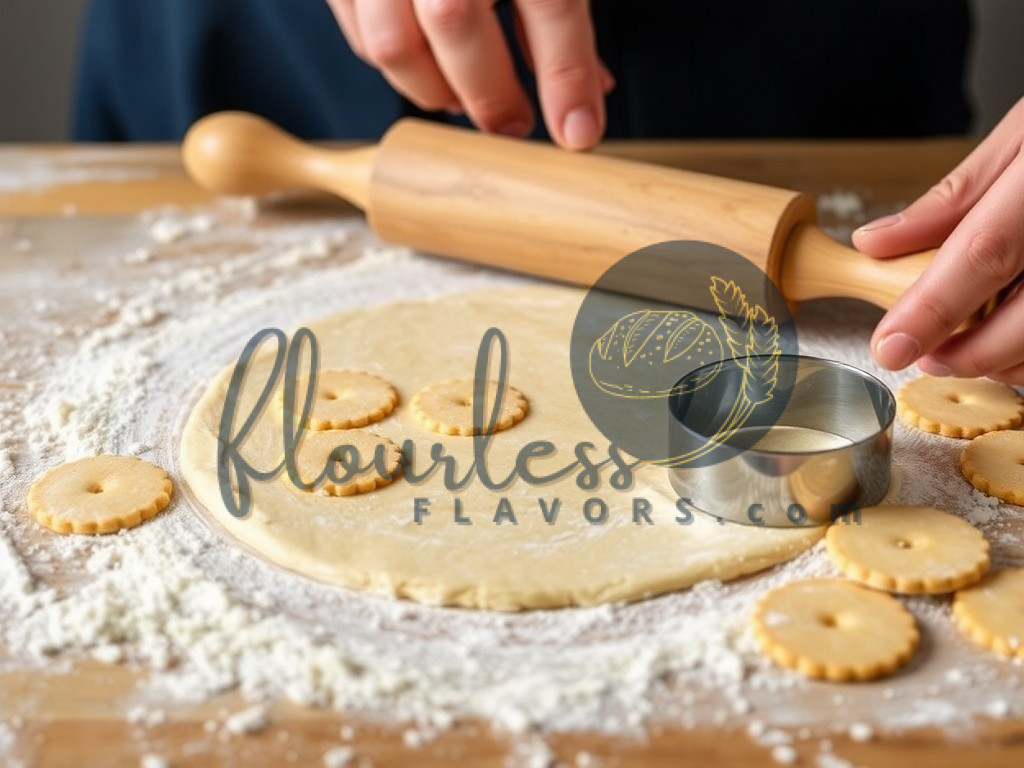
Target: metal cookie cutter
[802,461]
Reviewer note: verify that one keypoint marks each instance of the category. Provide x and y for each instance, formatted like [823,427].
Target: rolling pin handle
[237,153]
[814,266]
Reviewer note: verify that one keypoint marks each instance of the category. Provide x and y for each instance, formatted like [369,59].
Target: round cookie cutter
[807,460]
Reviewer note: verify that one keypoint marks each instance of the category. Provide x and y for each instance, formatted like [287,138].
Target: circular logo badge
[675,352]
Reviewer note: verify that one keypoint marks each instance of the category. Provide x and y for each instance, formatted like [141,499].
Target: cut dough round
[316,451]
[372,541]
[994,464]
[99,494]
[991,613]
[911,550]
[346,399]
[960,407]
[834,630]
[447,407]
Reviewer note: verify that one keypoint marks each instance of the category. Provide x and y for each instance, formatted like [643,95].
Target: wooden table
[75,721]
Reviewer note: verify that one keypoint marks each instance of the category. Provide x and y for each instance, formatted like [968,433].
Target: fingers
[989,348]
[607,78]
[928,221]
[560,37]
[468,43]
[345,14]
[983,255]
[451,54]
[1012,376]
[391,39]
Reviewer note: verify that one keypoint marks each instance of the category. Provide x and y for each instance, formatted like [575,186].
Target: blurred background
[39,38]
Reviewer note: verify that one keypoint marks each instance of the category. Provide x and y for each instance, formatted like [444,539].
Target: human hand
[976,217]
[451,54]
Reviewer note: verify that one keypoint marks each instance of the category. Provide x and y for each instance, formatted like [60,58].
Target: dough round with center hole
[361,462]
[447,407]
[994,464]
[345,399]
[911,550]
[959,407]
[99,494]
[991,614]
[371,541]
[834,630]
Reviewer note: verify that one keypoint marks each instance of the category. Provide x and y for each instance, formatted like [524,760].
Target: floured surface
[373,542]
[105,350]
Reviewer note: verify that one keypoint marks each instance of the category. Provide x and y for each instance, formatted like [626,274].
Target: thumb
[930,219]
[925,223]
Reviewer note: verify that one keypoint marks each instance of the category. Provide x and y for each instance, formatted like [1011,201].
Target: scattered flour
[251,720]
[844,203]
[784,755]
[861,732]
[998,708]
[6,463]
[339,757]
[829,760]
[33,171]
[140,255]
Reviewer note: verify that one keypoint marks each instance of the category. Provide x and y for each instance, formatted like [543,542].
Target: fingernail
[580,129]
[897,350]
[933,367]
[517,129]
[882,223]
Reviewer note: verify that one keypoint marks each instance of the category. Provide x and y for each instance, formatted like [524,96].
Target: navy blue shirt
[685,68]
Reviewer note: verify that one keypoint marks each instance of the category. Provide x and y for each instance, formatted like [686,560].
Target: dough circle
[312,456]
[447,407]
[994,464]
[372,541]
[99,494]
[959,407]
[910,550]
[991,613]
[346,399]
[834,630]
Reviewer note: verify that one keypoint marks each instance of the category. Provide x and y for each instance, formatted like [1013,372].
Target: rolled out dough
[371,541]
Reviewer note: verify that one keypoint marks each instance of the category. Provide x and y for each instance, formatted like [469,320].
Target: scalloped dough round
[447,407]
[99,494]
[959,407]
[909,550]
[834,630]
[371,541]
[345,399]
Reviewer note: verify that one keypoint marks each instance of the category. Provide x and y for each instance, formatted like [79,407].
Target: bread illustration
[645,354]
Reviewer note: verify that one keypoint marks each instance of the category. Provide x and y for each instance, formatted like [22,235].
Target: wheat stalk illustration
[733,314]
[753,337]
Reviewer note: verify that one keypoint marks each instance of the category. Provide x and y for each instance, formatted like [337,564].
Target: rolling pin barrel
[533,208]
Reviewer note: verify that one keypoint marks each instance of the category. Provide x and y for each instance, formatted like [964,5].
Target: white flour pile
[205,616]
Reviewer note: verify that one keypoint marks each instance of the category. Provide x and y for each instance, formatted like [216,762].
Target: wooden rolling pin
[534,208]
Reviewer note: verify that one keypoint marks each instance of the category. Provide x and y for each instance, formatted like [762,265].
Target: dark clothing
[685,68]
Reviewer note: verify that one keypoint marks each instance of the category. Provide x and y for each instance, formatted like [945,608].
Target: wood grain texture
[569,216]
[887,174]
[77,719]
[80,721]
[529,207]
